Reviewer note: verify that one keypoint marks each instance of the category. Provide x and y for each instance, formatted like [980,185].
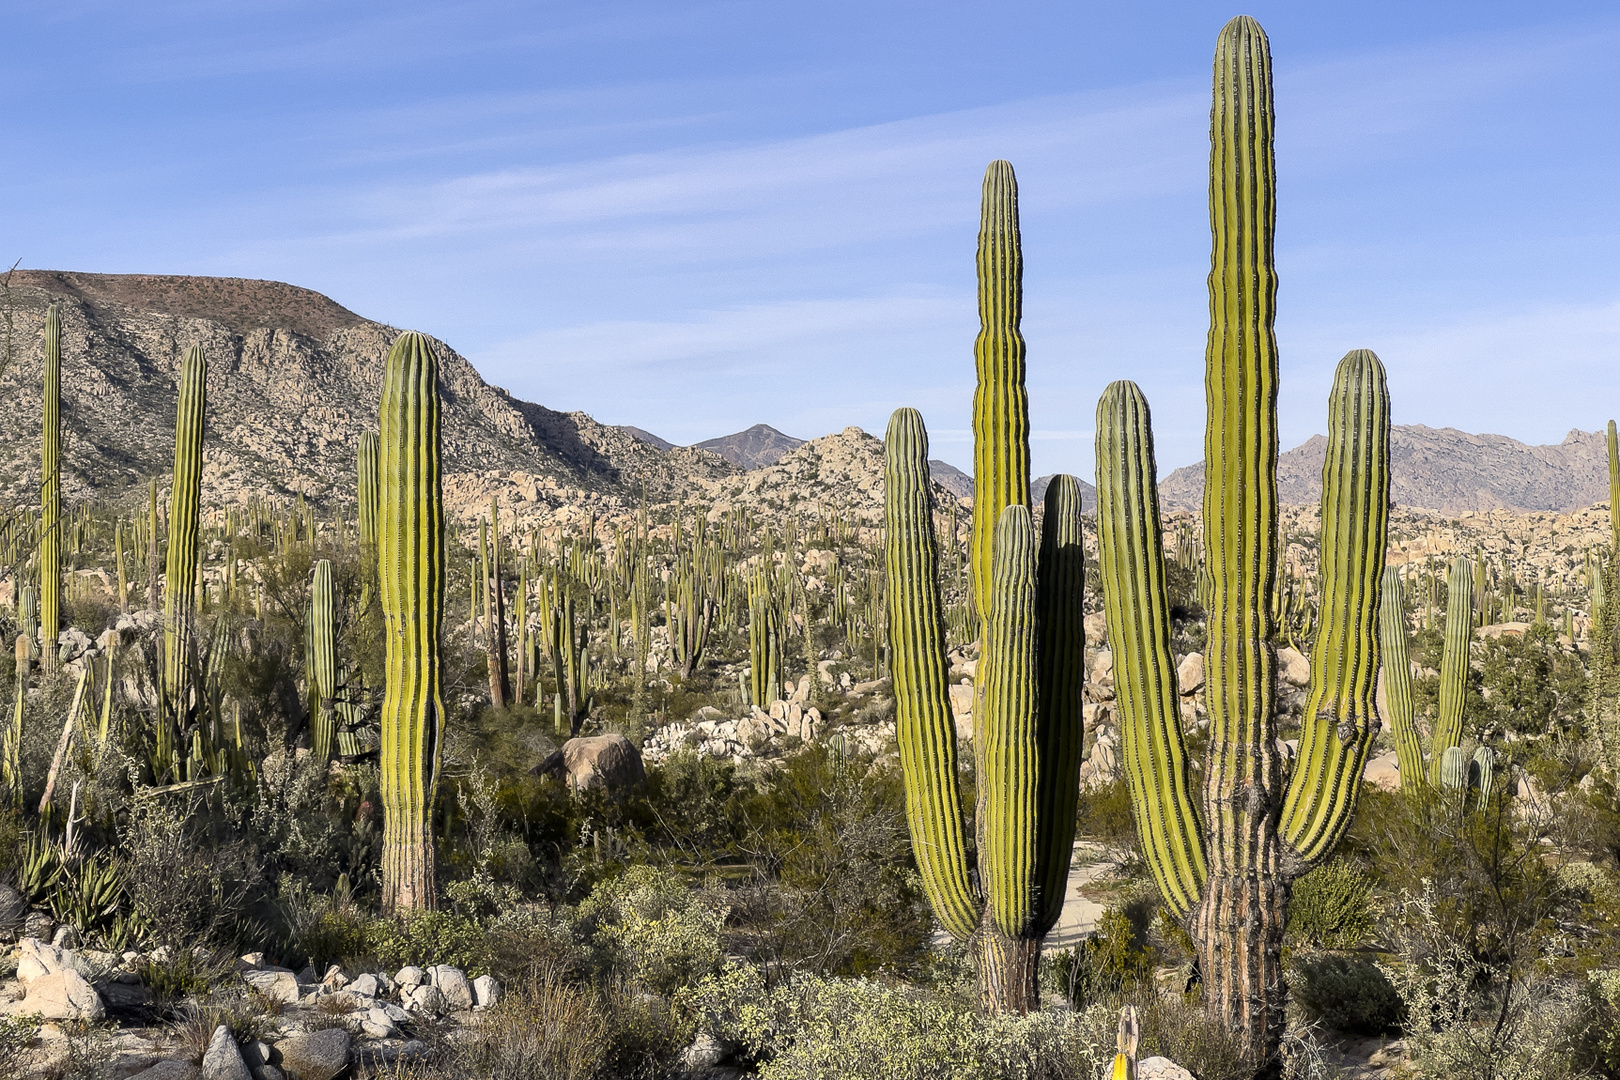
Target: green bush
[655,929]
[1331,907]
[428,937]
[1109,962]
[1104,813]
[1347,993]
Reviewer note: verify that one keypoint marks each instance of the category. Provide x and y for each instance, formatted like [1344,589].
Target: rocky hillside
[1444,469]
[293,380]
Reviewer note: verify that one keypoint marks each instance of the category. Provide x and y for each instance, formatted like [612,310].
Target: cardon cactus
[1252,835]
[1397,672]
[410,571]
[1027,723]
[50,495]
[320,661]
[1453,770]
[180,579]
[1453,664]
[367,506]
[1000,403]
[1482,773]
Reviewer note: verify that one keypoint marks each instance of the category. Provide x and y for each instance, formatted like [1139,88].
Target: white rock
[1292,667]
[1190,673]
[222,1060]
[64,995]
[452,985]
[410,976]
[486,991]
[276,984]
[1159,1068]
[424,999]
[379,1025]
[366,986]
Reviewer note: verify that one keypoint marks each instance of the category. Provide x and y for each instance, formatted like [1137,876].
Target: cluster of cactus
[1027,712]
[1447,733]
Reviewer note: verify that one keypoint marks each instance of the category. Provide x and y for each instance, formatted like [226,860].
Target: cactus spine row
[1000,403]
[924,729]
[50,495]
[1340,719]
[180,580]
[410,562]
[1130,555]
[1398,682]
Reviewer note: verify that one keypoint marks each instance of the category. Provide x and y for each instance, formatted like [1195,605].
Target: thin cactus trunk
[1397,671]
[181,574]
[50,496]
[320,662]
[1453,664]
[500,686]
[410,557]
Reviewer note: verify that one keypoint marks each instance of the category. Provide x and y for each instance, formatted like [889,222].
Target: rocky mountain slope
[294,378]
[1444,469]
[755,448]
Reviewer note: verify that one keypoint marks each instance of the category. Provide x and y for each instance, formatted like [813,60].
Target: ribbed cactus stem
[410,560]
[1060,727]
[50,495]
[1130,557]
[1397,671]
[320,661]
[1482,773]
[1000,403]
[1614,491]
[1453,769]
[180,579]
[1340,718]
[924,729]
[1453,663]
[1239,924]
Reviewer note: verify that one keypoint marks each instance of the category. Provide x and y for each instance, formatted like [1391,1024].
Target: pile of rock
[324,1023]
[755,734]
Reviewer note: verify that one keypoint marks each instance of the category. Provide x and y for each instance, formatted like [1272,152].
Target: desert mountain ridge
[294,379]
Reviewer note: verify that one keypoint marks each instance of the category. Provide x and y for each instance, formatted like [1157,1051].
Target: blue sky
[697,216]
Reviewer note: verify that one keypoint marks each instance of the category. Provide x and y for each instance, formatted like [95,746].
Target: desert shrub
[1598,1046]
[858,1028]
[1104,813]
[531,939]
[184,890]
[175,975]
[196,1020]
[654,928]
[1331,907]
[1109,962]
[1347,993]
[548,1028]
[426,938]
[1181,1031]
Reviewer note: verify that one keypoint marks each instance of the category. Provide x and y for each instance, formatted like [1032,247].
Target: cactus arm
[321,660]
[1340,719]
[410,557]
[180,579]
[1130,554]
[1397,671]
[1060,580]
[1614,491]
[1009,771]
[1000,403]
[50,495]
[1453,664]
[924,728]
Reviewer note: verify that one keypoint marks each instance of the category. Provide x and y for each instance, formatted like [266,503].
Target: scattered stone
[379,1025]
[65,938]
[486,991]
[37,924]
[366,986]
[335,978]
[1159,1068]
[277,984]
[1190,673]
[602,761]
[1292,667]
[13,906]
[64,995]
[705,1052]
[1384,771]
[251,960]
[320,1055]
[410,976]
[452,985]
[222,1060]
[384,1054]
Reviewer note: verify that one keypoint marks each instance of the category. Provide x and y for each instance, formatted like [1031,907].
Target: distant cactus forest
[428,776]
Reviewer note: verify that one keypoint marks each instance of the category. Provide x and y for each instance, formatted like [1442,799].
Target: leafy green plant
[1348,993]
[1331,907]
[90,897]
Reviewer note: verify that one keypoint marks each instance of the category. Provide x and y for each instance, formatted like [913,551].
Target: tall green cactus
[1000,403]
[764,639]
[1398,683]
[924,729]
[1252,836]
[1027,724]
[180,579]
[1130,558]
[1453,664]
[367,507]
[1614,491]
[1340,718]
[1604,637]
[410,563]
[50,496]
[320,661]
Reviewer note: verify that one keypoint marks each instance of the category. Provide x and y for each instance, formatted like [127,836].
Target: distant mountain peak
[753,448]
